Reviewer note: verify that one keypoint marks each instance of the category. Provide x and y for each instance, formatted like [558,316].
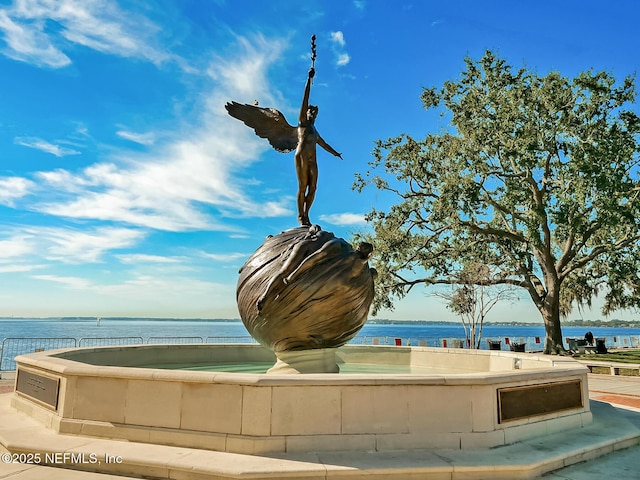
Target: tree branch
[489,231]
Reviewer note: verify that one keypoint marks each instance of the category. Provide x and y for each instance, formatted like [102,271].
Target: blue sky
[126,189]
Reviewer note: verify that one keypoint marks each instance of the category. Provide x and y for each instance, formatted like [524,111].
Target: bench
[613,366]
[580,345]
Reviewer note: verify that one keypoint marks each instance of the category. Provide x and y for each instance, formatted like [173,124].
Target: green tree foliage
[535,176]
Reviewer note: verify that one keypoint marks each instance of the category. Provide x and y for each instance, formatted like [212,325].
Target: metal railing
[12,347]
[243,339]
[109,341]
[175,340]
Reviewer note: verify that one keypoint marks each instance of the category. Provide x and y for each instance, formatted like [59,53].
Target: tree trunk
[549,307]
[550,310]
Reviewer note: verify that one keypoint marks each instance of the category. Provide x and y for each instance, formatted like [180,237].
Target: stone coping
[532,366]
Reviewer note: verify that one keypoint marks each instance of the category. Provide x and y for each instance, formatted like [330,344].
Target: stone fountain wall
[107,392]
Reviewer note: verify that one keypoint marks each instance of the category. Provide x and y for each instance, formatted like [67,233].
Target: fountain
[473,399]
[303,295]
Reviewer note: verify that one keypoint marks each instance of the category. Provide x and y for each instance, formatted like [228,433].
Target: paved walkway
[6,386]
[624,393]
[621,392]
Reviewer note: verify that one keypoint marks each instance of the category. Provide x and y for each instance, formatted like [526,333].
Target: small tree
[473,297]
[536,176]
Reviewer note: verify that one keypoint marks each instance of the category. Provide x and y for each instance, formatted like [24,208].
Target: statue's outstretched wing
[268,123]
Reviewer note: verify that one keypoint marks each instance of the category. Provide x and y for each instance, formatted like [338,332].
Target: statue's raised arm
[302,117]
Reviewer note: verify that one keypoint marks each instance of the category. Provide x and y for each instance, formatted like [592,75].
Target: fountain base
[478,401]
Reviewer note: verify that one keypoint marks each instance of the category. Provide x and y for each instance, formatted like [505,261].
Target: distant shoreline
[613,323]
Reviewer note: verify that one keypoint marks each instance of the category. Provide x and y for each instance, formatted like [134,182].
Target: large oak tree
[534,175]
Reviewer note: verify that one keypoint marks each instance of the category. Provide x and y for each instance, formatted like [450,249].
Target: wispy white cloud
[359,4]
[145,258]
[16,253]
[344,219]
[27,43]
[27,248]
[97,24]
[45,146]
[76,283]
[156,293]
[190,181]
[141,138]
[15,247]
[89,246]
[338,38]
[13,188]
[343,59]
[19,268]
[338,43]
[225,257]
[243,75]
[141,294]
[75,247]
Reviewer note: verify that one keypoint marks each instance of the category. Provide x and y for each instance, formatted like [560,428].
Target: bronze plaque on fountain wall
[42,389]
[516,403]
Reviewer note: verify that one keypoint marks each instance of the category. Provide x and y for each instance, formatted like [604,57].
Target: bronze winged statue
[271,124]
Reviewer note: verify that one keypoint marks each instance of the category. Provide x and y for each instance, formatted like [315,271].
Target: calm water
[52,334]
[39,328]
[119,328]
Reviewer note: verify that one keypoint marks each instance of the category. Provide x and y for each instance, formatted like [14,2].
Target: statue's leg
[312,180]
[303,219]
[302,186]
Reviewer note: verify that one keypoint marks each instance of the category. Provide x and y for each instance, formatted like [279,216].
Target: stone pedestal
[319,360]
